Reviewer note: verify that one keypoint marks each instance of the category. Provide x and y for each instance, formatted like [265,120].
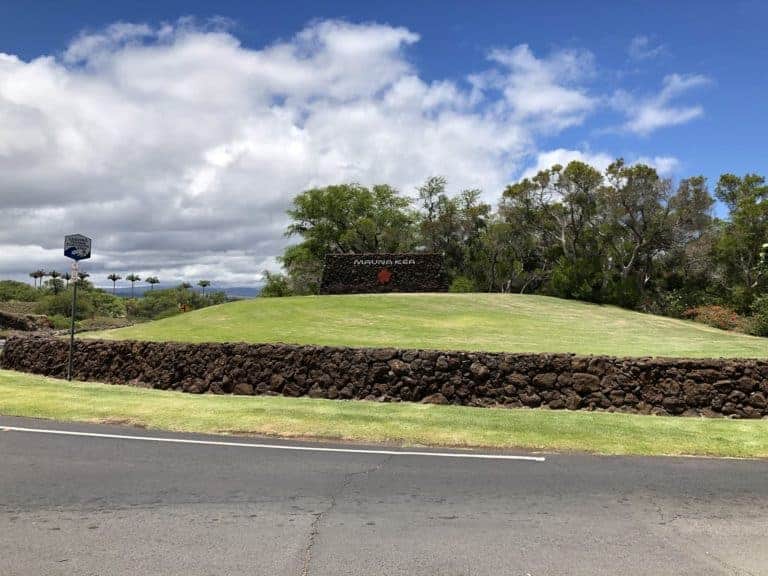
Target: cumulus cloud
[545,91]
[564,156]
[178,149]
[665,165]
[641,48]
[646,115]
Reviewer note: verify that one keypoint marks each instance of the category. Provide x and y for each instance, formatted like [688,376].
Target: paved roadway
[94,505]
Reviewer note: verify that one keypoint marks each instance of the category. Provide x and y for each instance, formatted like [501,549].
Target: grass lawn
[489,322]
[404,424]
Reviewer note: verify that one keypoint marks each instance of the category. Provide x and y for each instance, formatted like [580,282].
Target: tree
[151,280]
[304,269]
[553,234]
[82,279]
[133,278]
[114,278]
[203,285]
[452,226]
[638,202]
[429,197]
[55,284]
[742,234]
[345,218]
[37,275]
[67,277]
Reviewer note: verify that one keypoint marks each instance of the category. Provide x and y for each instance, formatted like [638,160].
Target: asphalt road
[91,505]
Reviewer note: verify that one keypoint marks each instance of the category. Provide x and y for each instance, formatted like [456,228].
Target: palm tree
[151,280]
[40,275]
[35,275]
[54,284]
[204,284]
[133,278]
[114,277]
[67,277]
[81,277]
[185,285]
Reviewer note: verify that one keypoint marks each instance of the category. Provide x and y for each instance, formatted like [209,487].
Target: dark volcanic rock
[436,398]
[714,388]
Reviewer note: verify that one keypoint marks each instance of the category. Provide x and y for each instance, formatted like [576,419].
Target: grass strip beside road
[402,423]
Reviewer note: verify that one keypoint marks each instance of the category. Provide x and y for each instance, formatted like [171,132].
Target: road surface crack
[669,523]
[318,516]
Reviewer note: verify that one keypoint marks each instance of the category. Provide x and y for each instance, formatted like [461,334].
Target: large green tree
[742,234]
[344,218]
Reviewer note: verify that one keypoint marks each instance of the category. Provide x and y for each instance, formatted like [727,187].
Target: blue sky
[724,41]
[176,132]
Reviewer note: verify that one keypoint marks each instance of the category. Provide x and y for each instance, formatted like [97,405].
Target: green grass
[403,424]
[489,322]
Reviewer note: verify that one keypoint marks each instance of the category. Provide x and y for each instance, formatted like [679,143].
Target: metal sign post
[77,247]
[75,278]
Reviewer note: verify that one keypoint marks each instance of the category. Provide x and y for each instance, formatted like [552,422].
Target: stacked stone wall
[718,387]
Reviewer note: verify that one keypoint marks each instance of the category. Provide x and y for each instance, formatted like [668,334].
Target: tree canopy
[624,235]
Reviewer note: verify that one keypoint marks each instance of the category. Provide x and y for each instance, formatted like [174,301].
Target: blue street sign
[77,247]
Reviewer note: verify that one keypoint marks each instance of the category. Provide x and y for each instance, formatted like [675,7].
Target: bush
[717,317]
[676,303]
[106,304]
[581,279]
[156,304]
[758,323]
[462,284]
[19,291]
[622,292]
[276,286]
[61,304]
[60,322]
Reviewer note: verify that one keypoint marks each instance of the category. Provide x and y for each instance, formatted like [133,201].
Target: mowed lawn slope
[489,322]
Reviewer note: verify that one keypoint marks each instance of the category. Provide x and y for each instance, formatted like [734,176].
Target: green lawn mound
[488,322]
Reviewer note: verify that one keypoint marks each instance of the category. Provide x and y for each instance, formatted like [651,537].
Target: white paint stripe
[275,446]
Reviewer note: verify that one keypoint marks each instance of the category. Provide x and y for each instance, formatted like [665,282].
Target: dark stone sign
[363,273]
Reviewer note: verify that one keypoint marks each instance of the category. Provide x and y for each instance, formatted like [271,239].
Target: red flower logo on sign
[384,276]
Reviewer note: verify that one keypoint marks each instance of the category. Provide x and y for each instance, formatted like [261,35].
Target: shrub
[717,317]
[155,304]
[462,284]
[758,324]
[106,304]
[61,304]
[276,286]
[59,322]
[622,292]
[581,279]
[19,291]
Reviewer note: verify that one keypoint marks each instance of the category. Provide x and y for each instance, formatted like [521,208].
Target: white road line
[275,446]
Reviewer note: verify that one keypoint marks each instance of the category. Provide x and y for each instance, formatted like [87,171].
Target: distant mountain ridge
[140,288]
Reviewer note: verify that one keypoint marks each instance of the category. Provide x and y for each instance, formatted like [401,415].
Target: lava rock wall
[366,273]
[24,322]
[724,387]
